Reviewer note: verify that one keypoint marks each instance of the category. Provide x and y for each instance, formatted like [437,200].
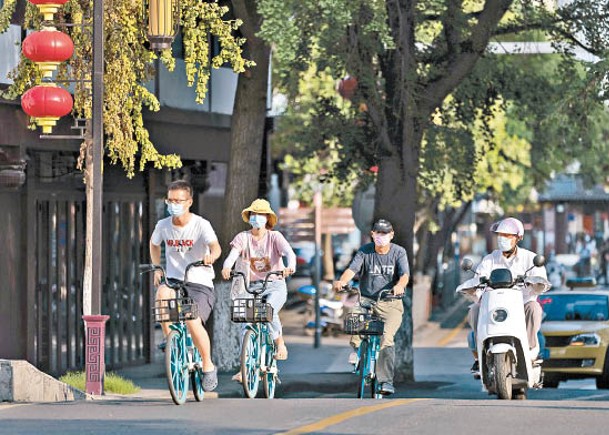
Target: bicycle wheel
[175,365]
[195,376]
[364,366]
[270,378]
[250,364]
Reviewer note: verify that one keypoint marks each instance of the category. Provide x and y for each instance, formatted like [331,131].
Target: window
[575,307]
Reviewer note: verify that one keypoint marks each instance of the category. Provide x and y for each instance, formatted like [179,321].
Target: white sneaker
[353,358]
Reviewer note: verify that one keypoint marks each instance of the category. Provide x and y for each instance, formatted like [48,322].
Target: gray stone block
[22,382]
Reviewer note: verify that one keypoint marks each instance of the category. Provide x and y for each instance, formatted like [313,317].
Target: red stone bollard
[95,367]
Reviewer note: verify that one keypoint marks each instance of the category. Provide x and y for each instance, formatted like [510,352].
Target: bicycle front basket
[175,310]
[248,310]
[363,324]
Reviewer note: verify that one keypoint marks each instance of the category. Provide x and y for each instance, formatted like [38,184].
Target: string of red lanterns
[46,103]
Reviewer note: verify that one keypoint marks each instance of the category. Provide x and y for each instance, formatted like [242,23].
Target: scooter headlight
[499,315]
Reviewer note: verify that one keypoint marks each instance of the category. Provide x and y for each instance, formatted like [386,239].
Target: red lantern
[48,7]
[347,87]
[46,104]
[48,48]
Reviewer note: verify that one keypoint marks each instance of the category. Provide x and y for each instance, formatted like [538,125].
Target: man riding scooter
[518,260]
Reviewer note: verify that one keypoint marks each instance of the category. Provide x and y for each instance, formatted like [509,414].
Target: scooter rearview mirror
[539,260]
[467,265]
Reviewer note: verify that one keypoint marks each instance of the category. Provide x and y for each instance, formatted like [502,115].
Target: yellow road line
[452,334]
[339,418]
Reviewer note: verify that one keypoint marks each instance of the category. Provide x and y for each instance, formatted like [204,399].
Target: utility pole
[95,323]
[317,204]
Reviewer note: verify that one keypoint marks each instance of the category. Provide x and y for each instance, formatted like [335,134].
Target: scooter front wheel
[503,375]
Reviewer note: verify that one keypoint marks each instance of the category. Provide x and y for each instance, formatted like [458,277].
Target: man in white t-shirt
[188,238]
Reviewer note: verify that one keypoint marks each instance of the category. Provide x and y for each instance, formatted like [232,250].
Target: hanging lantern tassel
[46,104]
[47,48]
[48,7]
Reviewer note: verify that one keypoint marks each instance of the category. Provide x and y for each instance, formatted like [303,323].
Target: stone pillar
[95,366]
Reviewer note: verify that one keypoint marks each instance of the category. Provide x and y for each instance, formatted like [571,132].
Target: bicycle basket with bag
[363,324]
[248,310]
[175,310]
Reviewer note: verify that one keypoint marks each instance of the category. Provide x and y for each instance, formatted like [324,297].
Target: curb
[21,382]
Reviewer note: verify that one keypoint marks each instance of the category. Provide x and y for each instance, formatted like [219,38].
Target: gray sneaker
[387,388]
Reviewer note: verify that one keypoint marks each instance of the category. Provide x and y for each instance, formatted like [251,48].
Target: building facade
[42,198]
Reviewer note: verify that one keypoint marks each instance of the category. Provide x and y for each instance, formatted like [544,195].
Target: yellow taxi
[576,332]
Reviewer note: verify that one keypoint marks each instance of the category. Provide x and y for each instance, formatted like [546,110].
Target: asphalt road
[443,400]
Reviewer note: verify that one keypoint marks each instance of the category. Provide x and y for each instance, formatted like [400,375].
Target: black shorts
[203,296]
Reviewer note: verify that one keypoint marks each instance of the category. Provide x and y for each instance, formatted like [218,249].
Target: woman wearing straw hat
[262,250]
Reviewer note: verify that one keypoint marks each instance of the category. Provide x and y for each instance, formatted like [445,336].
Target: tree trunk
[227,335]
[247,130]
[396,201]
[247,136]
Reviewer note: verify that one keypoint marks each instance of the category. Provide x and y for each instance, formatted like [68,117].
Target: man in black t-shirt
[381,265]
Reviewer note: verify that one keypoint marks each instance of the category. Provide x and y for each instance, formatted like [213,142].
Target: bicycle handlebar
[234,274]
[382,295]
[146,268]
[388,295]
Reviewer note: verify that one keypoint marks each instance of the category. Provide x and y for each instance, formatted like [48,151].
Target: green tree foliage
[313,135]
[129,66]
[554,100]
[438,103]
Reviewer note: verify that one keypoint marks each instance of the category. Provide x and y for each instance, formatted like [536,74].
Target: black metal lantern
[163,21]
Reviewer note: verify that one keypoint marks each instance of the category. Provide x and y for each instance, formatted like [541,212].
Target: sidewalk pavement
[308,372]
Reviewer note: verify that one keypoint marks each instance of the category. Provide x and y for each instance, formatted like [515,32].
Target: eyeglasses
[176,201]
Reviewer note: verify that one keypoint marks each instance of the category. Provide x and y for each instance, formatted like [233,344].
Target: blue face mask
[176,210]
[257,221]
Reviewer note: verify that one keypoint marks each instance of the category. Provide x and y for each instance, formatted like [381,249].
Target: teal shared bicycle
[370,328]
[182,359]
[257,348]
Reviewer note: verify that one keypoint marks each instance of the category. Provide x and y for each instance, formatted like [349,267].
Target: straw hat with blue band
[260,206]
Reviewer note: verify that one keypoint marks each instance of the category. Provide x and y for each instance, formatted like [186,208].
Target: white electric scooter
[508,368]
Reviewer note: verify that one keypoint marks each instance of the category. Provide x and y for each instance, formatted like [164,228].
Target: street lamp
[163,18]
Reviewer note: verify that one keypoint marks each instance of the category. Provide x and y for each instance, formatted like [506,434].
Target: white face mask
[504,243]
[258,220]
[381,239]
